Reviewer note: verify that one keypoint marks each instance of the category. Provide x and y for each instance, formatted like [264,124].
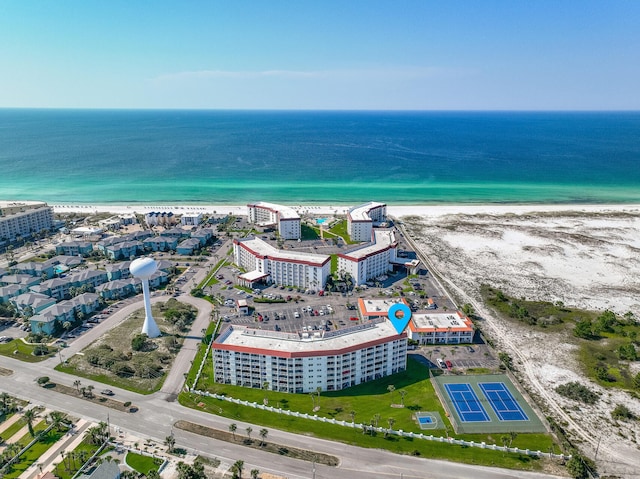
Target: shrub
[138,342]
[578,392]
[622,412]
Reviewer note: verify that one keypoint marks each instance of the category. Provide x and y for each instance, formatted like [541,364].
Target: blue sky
[347,54]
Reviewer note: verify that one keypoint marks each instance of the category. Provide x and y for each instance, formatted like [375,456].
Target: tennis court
[485,403]
[503,402]
[466,403]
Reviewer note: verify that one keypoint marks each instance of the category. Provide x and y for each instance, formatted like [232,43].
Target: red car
[353,318]
[448,363]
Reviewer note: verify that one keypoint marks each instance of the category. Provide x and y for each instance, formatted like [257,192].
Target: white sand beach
[587,256]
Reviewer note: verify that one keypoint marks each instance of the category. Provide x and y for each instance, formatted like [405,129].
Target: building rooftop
[361,212]
[378,307]
[264,250]
[284,212]
[278,343]
[428,322]
[382,240]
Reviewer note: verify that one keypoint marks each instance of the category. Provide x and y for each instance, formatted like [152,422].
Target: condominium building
[372,260]
[286,220]
[23,219]
[440,328]
[304,361]
[362,218]
[282,267]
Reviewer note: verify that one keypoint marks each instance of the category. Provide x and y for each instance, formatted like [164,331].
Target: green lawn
[367,400]
[309,232]
[17,349]
[15,427]
[142,464]
[340,229]
[34,452]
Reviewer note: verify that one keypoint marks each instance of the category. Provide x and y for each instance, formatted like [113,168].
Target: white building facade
[286,220]
[362,218]
[301,363]
[24,218]
[191,219]
[372,260]
[286,268]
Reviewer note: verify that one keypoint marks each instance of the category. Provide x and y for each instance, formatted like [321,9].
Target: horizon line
[336,110]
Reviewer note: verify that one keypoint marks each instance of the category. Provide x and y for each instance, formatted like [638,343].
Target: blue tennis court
[503,402]
[466,403]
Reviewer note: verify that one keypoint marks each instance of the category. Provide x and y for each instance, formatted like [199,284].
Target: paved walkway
[68,442]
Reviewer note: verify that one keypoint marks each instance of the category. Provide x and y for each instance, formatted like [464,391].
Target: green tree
[30,416]
[237,468]
[249,431]
[263,436]
[583,329]
[77,383]
[636,381]
[170,442]
[402,393]
[506,360]
[232,429]
[581,467]
[255,473]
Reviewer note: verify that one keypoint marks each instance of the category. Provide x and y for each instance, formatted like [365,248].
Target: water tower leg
[150,328]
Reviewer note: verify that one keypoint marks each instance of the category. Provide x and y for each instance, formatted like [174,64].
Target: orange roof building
[440,328]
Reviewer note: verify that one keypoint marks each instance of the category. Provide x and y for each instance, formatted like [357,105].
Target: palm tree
[402,393]
[4,397]
[353,416]
[232,429]
[391,422]
[249,431]
[90,388]
[255,473]
[77,383]
[30,416]
[237,468]
[376,418]
[391,388]
[313,401]
[263,436]
[56,418]
[170,441]
[512,436]
[318,391]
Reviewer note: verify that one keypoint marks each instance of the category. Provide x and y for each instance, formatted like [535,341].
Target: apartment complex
[372,260]
[362,218]
[282,267]
[286,220]
[23,219]
[302,362]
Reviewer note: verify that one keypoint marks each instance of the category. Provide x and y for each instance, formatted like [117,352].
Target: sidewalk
[68,443]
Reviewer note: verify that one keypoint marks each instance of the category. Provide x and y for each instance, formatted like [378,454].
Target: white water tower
[144,268]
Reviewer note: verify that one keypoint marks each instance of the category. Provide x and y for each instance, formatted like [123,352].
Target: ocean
[318,157]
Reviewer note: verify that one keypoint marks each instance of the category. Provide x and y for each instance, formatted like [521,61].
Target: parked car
[107,392]
[448,363]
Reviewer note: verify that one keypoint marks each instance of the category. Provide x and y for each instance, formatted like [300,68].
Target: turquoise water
[321,221]
[233,157]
